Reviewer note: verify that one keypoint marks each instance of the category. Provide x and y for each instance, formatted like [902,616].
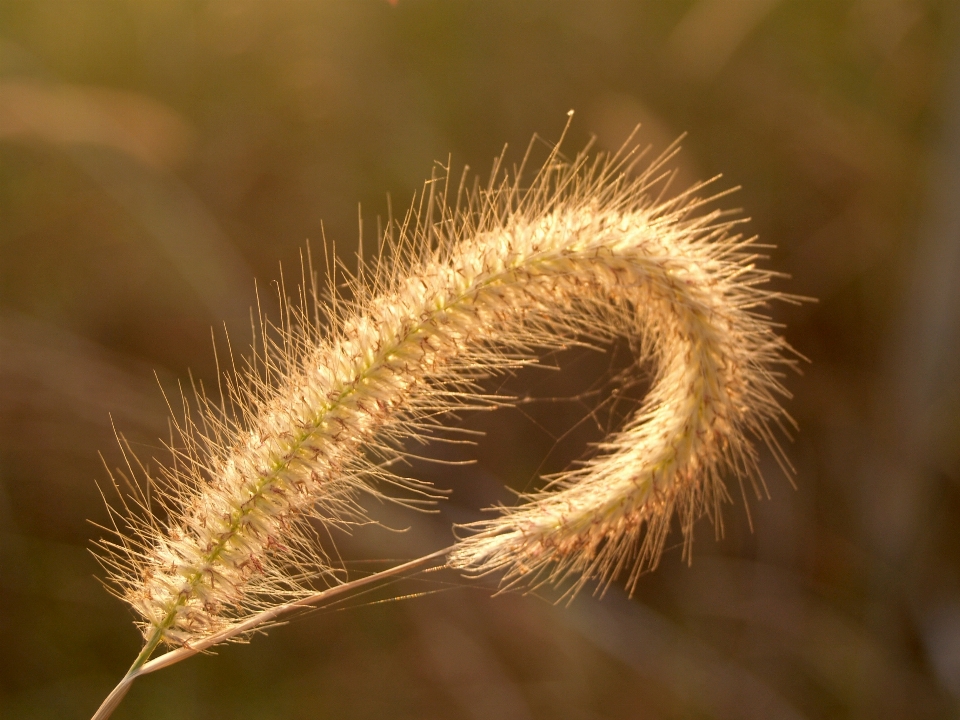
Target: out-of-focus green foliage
[156,157]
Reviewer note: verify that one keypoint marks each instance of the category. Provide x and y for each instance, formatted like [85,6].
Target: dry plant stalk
[464,287]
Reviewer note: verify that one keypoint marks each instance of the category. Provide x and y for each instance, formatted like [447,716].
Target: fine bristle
[469,283]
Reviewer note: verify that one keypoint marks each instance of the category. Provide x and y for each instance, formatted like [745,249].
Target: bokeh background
[156,157]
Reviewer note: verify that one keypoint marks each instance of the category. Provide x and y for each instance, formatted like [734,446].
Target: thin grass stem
[143,665]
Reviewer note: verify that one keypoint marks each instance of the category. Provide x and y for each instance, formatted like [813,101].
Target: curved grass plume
[475,281]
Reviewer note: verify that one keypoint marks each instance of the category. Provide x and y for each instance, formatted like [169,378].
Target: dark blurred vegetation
[157,156]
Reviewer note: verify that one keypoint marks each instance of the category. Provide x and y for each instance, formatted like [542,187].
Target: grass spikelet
[473,282]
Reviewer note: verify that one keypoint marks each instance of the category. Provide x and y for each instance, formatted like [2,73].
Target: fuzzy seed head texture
[466,286]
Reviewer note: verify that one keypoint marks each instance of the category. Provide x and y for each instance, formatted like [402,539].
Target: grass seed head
[465,286]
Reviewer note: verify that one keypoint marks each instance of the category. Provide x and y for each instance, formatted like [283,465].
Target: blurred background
[156,157]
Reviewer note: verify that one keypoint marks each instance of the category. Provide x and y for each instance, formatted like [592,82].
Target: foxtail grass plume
[475,281]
